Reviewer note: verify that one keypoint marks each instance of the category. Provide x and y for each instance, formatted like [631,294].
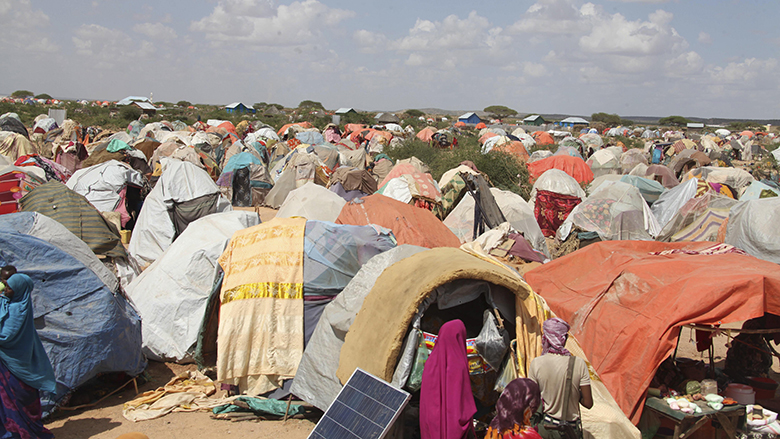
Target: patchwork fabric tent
[573,166]
[85,328]
[647,291]
[172,293]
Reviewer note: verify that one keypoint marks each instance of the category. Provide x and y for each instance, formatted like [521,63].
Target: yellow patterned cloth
[260,337]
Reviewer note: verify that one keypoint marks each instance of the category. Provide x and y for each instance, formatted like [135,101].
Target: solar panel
[365,408]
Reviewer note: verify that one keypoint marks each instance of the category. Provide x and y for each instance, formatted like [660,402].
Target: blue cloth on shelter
[333,254]
[649,189]
[310,137]
[21,349]
[84,327]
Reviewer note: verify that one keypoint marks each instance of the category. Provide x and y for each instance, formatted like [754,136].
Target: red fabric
[446,403]
[574,166]
[551,210]
[626,306]
[410,224]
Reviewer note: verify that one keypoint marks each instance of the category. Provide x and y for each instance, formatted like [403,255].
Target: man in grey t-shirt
[549,372]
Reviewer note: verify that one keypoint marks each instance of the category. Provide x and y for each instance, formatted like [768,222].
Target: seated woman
[517,403]
[446,404]
[24,366]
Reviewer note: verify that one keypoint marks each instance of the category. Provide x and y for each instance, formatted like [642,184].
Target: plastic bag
[415,376]
[492,341]
[508,371]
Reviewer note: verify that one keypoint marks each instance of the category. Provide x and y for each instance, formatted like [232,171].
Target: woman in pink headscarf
[446,403]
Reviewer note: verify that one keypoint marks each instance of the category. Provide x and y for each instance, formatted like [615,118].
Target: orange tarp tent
[410,224]
[543,138]
[426,134]
[486,136]
[626,306]
[460,124]
[283,129]
[574,166]
[481,125]
[515,148]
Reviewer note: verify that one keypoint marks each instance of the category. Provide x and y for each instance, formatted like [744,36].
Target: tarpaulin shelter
[171,294]
[455,284]
[753,227]
[410,224]
[14,145]
[106,185]
[14,125]
[73,211]
[662,174]
[650,189]
[618,293]
[574,166]
[183,194]
[539,154]
[85,328]
[604,162]
[313,202]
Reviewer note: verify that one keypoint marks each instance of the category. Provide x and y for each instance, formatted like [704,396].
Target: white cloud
[370,42]
[553,17]
[534,70]
[705,38]
[616,35]
[109,48]
[155,31]
[746,73]
[23,28]
[260,24]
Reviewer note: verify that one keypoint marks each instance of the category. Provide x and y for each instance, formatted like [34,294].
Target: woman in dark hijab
[514,408]
[24,366]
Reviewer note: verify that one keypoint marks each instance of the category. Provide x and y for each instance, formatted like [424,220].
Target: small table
[685,424]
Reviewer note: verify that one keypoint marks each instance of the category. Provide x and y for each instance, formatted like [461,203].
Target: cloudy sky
[703,58]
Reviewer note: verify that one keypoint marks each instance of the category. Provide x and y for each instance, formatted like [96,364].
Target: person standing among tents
[564,381]
[24,366]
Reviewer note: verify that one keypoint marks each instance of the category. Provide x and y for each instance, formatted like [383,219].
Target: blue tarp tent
[85,328]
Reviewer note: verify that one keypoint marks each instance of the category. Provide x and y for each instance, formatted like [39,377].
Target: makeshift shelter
[183,194]
[171,295]
[539,155]
[615,210]
[604,162]
[407,185]
[352,183]
[671,201]
[245,179]
[543,138]
[276,275]
[758,190]
[14,125]
[313,202]
[15,183]
[650,189]
[299,167]
[75,212]
[631,158]
[663,175]
[86,328]
[106,186]
[455,285]
[410,224]
[14,145]
[576,167]
[753,227]
[615,293]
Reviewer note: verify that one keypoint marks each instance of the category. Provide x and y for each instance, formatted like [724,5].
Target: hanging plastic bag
[492,341]
[420,357]
[508,370]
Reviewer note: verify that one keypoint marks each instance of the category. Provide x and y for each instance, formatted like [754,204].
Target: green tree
[184,104]
[675,121]
[21,94]
[610,120]
[279,107]
[259,105]
[500,111]
[130,112]
[414,113]
[311,105]
[43,96]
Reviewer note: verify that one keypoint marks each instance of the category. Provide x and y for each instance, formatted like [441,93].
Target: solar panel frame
[365,408]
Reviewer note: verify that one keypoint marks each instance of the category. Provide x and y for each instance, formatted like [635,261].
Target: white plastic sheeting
[604,162]
[515,209]
[753,192]
[154,231]
[312,202]
[397,189]
[100,184]
[171,295]
[315,381]
[753,227]
[616,211]
[671,201]
[555,180]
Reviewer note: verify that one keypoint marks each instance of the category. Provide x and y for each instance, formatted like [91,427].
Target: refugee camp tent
[616,210]
[753,227]
[604,162]
[106,186]
[73,211]
[171,294]
[410,224]
[650,189]
[539,155]
[574,166]
[615,293]
[671,201]
[14,145]
[86,329]
[313,202]
[46,229]
[631,158]
[698,219]
[758,190]
[662,174]
[455,285]
[315,381]
[14,125]
[276,275]
[183,194]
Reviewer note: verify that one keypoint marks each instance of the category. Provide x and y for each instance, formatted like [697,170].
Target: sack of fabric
[421,356]
[492,341]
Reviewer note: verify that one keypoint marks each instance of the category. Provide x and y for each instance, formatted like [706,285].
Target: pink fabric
[446,403]
[124,216]
[332,136]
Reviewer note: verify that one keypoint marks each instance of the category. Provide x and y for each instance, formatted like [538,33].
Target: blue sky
[714,58]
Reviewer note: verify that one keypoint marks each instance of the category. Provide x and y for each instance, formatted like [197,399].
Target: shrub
[130,112]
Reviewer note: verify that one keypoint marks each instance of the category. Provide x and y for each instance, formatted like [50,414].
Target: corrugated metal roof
[344,110]
[145,106]
[467,115]
[534,117]
[575,120]
[236,104]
